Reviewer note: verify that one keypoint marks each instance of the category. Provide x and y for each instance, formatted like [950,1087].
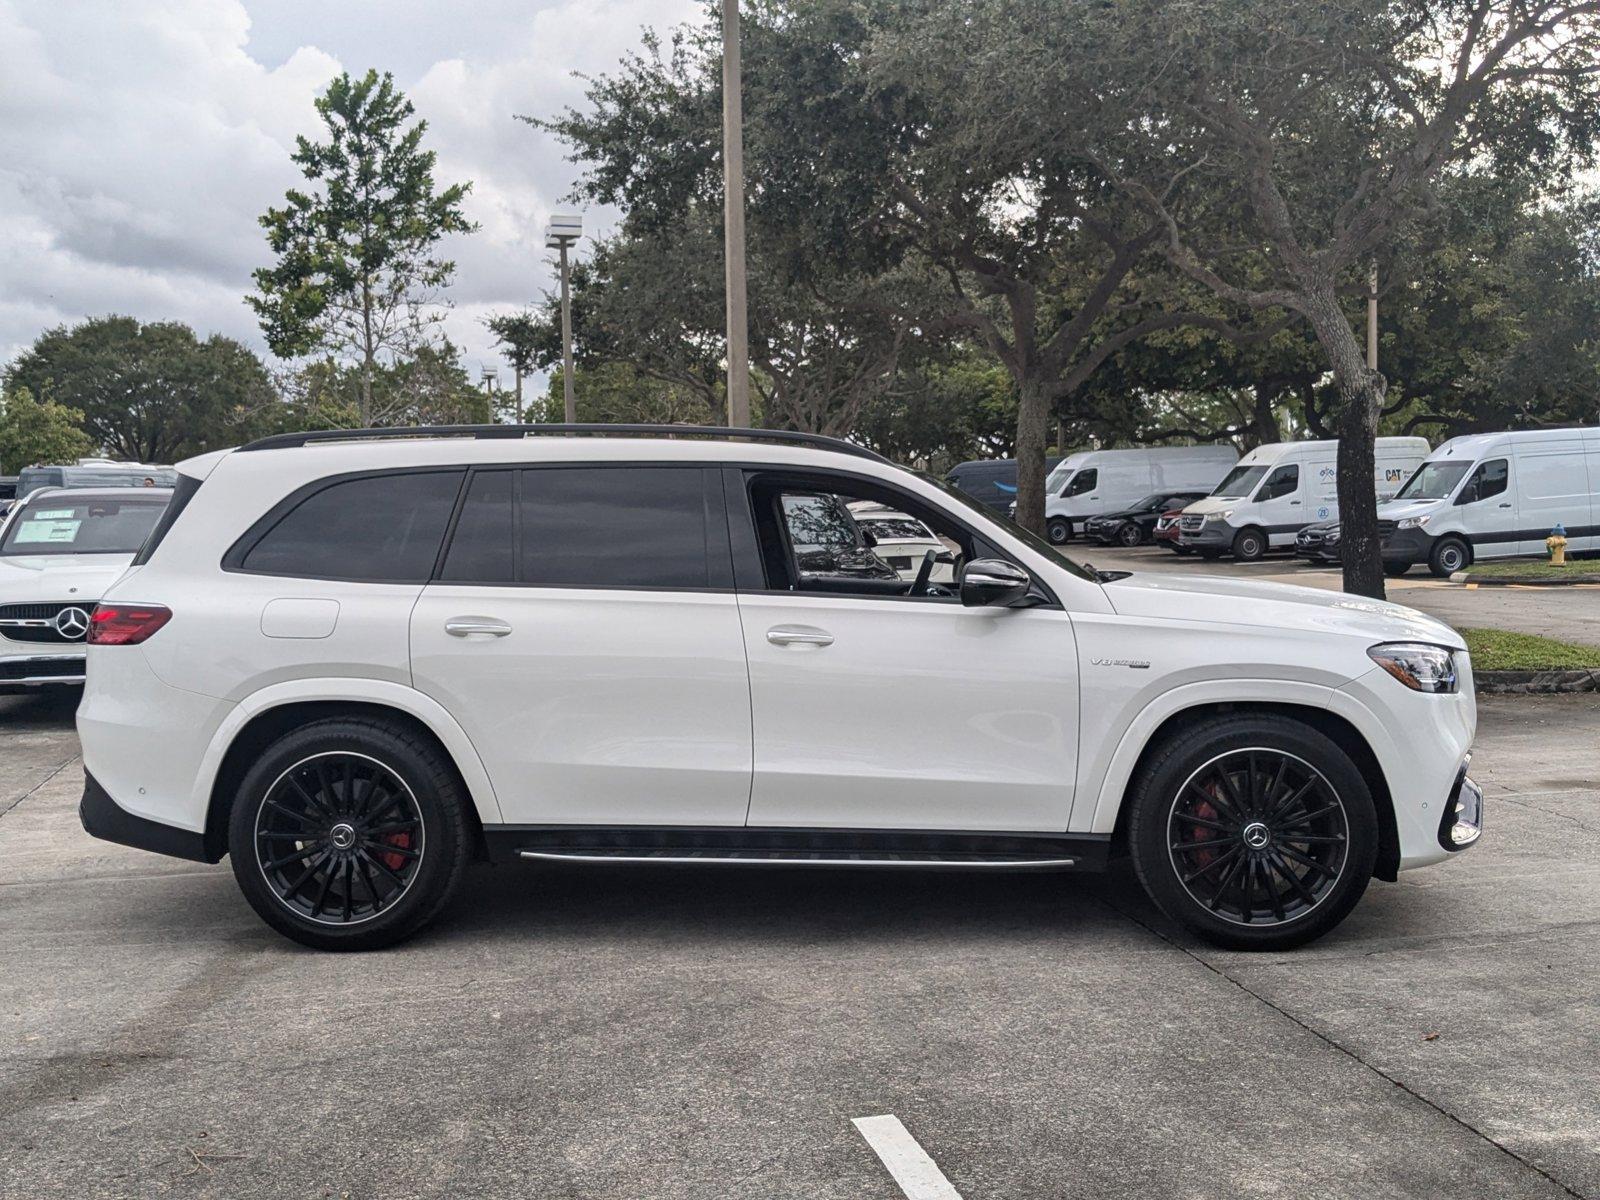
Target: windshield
[1058,476]
[1239,482]
[1150,503]
[1433,481]
[989,516]
[58,525]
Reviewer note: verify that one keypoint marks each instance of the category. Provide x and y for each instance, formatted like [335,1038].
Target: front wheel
[1448,556]
[1058,530]
[1128,534]
[1256,832]
[349,834]
[1249,545]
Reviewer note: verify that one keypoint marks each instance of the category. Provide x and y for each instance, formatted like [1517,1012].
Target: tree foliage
[357,273]
[150,393]
[38,432]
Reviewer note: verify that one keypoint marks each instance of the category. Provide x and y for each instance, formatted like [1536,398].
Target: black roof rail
[283,441]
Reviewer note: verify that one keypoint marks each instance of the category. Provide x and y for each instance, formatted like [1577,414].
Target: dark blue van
[992,481]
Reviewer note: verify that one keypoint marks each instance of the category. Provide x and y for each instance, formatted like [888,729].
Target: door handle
[1505,506]
[798,635]
[1294,502]
[467,626]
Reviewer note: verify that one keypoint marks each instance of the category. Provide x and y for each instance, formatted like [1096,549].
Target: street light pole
[565,229]
[733,218]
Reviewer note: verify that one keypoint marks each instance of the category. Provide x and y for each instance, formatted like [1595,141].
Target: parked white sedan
[901,540]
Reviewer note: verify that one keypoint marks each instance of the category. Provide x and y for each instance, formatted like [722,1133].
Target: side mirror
[991,582]
[869,538]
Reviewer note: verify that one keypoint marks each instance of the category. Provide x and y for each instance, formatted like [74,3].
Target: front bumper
[105,819]
[39,670]
[1408,546]
[1216,534]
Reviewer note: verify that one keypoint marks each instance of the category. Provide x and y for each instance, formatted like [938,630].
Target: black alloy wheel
[350,832]
[1258,836]
[1129,534]
[339,837]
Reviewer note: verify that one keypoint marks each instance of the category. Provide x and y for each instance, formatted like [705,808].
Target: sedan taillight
[125,624]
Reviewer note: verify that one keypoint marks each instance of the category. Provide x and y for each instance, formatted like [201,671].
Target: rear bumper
[103,818]
[40,670]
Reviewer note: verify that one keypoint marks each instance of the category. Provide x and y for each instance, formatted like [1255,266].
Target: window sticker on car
[54,514]
[37,531]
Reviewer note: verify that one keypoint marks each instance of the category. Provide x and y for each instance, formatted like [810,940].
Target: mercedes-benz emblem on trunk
[72,623]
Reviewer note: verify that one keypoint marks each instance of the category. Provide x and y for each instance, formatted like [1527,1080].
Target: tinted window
[614,527]
[1488,480]
[1083,481]
[1281,482]
[61,524]
[480,550]
[383,527]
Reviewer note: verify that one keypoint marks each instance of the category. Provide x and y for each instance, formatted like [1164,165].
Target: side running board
[667,856]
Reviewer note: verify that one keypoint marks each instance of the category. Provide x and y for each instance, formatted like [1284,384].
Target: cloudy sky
[140,140]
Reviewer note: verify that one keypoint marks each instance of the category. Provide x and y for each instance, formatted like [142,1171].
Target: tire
[1249,544]
[1395,570]
[1182,549]
[1129,534]
[1449,555]
[1172,822]
[1210,555]
[1058,530]
[396,799]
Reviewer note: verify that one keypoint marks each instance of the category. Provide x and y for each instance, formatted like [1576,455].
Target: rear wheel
[1257,832]
[1129,534]
[1448,556]
[1058,530]
[349,834]
[1249,545]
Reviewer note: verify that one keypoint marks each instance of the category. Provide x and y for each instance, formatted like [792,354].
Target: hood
[1274,606]
[1213,504]
[1395,510]
[56,578]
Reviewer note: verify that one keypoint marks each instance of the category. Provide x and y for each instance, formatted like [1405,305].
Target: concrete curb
[1536,683]
[1513,581]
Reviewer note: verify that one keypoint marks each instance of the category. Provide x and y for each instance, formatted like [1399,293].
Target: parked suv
[353,662]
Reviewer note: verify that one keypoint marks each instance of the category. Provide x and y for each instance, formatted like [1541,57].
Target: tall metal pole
[1372,317]
[733,218]
[566,341]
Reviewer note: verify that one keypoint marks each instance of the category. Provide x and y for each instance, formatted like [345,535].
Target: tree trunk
[367,356]
[517,373]
[1361,392]
[1265,418]
[1033,431]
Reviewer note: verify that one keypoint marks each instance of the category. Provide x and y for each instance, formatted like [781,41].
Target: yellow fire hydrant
[1556,543]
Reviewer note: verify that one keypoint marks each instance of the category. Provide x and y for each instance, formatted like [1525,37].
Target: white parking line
[918,1175]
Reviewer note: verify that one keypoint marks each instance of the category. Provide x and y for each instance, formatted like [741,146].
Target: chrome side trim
[763,859]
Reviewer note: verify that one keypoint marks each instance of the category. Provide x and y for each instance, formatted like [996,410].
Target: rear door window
[620,527]
[376,528]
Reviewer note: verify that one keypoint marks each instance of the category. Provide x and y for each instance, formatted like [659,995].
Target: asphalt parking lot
[656,1033]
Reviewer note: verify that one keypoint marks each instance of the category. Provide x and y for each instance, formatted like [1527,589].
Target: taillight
[125,624]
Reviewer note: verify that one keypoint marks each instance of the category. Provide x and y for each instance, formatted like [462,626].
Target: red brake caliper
[1202,833]
[395,861]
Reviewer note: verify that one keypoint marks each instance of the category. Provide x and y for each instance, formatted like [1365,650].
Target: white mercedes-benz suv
[59,548]
[354,661]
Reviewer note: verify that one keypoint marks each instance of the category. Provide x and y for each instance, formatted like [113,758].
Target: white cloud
[140,140]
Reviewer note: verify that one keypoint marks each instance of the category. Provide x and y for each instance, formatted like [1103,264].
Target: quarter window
[481,548]
[378,528]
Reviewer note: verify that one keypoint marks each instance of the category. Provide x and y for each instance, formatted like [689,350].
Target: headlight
[1330,537]
[1411,522]
[1421,667]
[1212,518]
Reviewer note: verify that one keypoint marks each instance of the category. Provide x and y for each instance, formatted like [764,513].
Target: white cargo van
[1279,489]
[1494,495]
[1092,482]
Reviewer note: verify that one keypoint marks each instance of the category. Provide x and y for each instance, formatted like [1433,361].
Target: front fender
[363,691]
